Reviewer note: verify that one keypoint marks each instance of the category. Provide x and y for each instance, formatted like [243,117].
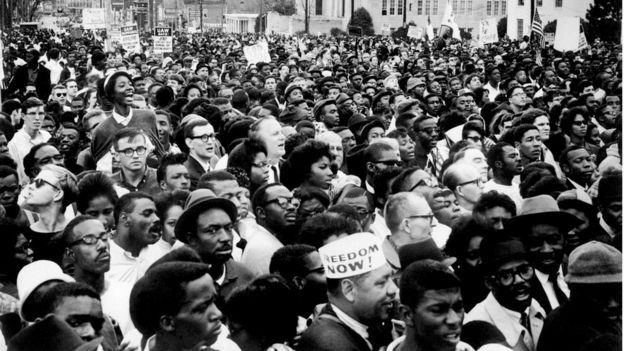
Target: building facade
[520,16]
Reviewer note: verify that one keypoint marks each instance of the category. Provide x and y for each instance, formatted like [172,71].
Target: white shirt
[513,190]
[549,288]
[157,250]
[55,71]
[379,227]
[359,328]
[116,303]
[494,92]
[259,250]
[124,267]
[461,346]
[20,146]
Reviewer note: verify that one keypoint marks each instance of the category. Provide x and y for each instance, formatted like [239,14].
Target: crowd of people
[351,194]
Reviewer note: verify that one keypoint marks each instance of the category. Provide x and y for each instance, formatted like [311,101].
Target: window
[399,7]
[496,7]
[520,2]
[462,7]
[455,5]
[427,7]
[392,3]
[558,3]
[420,7]
[540,3]
[384,7]
[469,7]
[435,7]
[488,8]
[520,27]
[504,7]
[410,7]
[319,7]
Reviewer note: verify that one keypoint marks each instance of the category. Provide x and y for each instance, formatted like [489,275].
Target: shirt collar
[121,119]
[357,327]
[607,228]
[204,165]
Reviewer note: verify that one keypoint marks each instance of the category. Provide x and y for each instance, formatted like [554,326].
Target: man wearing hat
[593,316]
[415,87]
[326,115]
[361,295]
[207,226]
[609,201]
[509,305]
[50,334]
[293,92]
[541,227]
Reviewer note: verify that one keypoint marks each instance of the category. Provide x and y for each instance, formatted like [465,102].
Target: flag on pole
[537,30]
[446,27]
[430,34]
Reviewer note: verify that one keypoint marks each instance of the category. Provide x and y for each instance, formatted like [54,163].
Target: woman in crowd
[309,165]
[251,156]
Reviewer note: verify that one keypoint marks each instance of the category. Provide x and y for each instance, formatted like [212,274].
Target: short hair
[30,103]
[68,232]
[52,298]
[356,192]
[318,228]
[265,309]
[461,234]
[188,129]
[424,275]
[397,208]
[129,132]
[472,126]
[492,199]
[259,197]
[11,105]
[289,261]
[495,153]
[403,118]
[205,181]
[567,118]
[162,282]
[6,171]
[301,159]
[529,116]
[400,182]
[563,157]
[450,178]
[517,133]
[92,186]
[166,200]
[373,151]
[126,203]
[306,193]
[168,160]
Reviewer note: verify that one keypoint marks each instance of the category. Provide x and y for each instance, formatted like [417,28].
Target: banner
[569,35]
[415,32]
[257,53]
[130,38]
[93,18]
[163,40]
[488,33]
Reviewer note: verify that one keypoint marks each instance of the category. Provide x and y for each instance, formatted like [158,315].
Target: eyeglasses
[283,202]
[476,139]
[429,217]
[92,239]
[506,277]
[580,123]
[477,181]
[129,152]
[61,94]
[204,137]
[390,163]
[39,182]
[214,229]
[263,165]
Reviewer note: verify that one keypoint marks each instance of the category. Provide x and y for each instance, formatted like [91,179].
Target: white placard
[257,53]
[163,40]
[488,33]
[93,18]
[130,38]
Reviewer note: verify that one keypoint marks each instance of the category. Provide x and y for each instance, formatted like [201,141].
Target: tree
[604,20]
[501,27]
[550,27]
[361,18]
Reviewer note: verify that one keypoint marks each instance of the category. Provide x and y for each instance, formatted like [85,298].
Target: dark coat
[538,293]
[236,274]
[328,333]
[572,327]
[195,171]
[42,82]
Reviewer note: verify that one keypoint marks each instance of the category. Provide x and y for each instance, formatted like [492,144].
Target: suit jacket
[42,82]
[538,293]
[236,274]
[195,171]
[328,333]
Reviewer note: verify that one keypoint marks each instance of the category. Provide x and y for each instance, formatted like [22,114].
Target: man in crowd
[199,136]
[465,181]
[505,163]
[172,173]
[135,175]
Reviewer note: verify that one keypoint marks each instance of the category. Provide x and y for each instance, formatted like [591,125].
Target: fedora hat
[542,209]
[51,334]
[198,201]
[498,249]
[370,125]
[422,250]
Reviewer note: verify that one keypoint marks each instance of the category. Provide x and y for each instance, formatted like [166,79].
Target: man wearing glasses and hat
[509,306]
[541,227]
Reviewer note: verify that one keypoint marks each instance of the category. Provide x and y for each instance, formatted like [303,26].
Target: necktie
[526,323]
[561,296]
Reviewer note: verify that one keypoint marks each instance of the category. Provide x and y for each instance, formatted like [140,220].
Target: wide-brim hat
[370,125]
[51,334]
[379,95]
[318,107]
[198,201]
[542,209]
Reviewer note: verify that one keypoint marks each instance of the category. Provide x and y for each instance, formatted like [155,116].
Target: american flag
[537,30]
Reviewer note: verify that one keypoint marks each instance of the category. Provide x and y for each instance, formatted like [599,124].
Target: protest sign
[130,38]
[163,40]
[488,33]
[257,53]
[93,18]
[356,254]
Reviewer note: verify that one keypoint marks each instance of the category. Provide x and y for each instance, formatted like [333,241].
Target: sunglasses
[39,182]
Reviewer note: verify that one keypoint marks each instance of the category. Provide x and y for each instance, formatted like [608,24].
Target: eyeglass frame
[105,237]
[514,272]
[129,152]
[476,181]
[205,137]
[289,201]
[429,216]
[38,182]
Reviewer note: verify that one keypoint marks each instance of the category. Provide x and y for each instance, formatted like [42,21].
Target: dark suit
[538,293]
[195,171]
[42,82]
[236,275]
[328,333]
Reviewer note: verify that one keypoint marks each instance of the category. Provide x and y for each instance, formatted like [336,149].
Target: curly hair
[301,159]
